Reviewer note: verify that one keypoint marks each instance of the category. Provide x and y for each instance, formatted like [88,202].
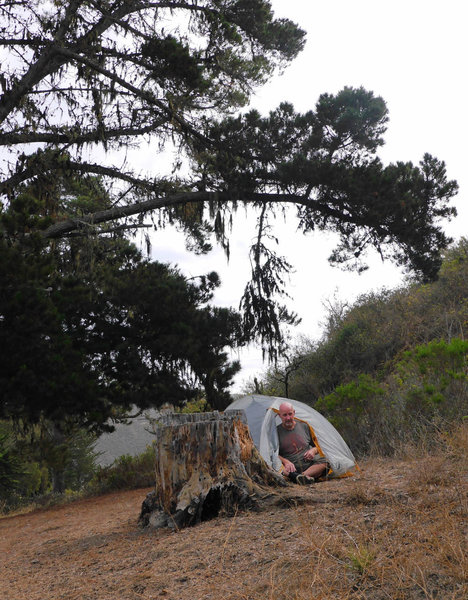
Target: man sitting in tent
[297,452]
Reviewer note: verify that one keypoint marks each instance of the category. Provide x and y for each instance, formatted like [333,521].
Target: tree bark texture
[206,464]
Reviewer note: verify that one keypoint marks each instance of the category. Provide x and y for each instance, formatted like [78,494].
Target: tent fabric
[262,420]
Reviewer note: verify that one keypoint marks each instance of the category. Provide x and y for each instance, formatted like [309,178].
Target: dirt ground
[393,532]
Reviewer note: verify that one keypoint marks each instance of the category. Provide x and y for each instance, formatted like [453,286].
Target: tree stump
[206,464]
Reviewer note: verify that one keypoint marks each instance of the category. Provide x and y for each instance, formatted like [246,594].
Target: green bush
[127,472]
[355,409]
[20,479]
[38,470]
[10,465]
[425,394]
[35,481]
[38,462]
[198,405]
[434,379]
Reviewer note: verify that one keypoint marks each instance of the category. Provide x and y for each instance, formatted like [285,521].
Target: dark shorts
[302,465]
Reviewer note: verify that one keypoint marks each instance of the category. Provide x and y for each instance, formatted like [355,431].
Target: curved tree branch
[64,227]
[59,137]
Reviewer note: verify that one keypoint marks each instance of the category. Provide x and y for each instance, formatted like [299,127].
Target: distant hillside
[130,438]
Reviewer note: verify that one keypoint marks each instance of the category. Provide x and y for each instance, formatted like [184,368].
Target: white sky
[410,52]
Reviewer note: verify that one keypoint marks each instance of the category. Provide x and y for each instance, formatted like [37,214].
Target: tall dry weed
[456,442]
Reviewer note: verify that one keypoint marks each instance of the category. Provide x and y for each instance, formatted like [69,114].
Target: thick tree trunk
[206,464]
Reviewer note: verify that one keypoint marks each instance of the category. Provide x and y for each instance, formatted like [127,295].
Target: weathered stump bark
[206,464]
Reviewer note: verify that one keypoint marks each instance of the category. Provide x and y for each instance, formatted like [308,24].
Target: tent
[262,418]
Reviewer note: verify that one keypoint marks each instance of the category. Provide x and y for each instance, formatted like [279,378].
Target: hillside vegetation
[391,368]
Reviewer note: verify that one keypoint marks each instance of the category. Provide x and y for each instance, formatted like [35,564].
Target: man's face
[286,414]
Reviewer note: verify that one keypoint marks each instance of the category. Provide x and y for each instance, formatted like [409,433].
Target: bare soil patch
[398,531]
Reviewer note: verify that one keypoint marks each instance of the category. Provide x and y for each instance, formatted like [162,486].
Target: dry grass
[397,532]
[396,541]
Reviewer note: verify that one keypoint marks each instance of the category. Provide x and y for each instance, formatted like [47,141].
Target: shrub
[354,409]
[127,472]
[435,380]
[10,465]
[425,395]
[42,462]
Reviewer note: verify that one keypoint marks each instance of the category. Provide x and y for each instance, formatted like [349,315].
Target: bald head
[287,414]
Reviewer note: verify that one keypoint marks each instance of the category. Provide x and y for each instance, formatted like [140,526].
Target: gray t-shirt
[295,443]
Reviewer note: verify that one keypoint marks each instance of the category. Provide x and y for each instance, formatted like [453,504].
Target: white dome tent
[262,418]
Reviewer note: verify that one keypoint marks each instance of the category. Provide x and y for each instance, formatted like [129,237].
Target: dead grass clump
[450,543]
[439,460]
[432,472]
[317,572]
[456,442]
[436,562]
[362,494]
[441,438]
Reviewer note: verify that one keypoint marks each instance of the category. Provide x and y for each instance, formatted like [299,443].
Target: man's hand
[288,466]
[309,455]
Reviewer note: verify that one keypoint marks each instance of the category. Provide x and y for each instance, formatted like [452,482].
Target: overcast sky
[413,54]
